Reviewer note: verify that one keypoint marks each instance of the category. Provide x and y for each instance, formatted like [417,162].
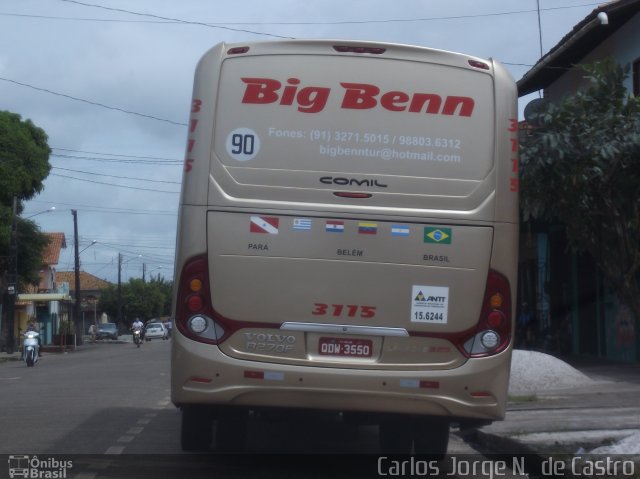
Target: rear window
[355,115]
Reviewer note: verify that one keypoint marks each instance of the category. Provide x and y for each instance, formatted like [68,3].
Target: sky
[110,82]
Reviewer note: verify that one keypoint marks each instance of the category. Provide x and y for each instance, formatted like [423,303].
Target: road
[107,408]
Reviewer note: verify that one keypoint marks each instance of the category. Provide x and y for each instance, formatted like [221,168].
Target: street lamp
[92,243]
[48,210]
[144,271]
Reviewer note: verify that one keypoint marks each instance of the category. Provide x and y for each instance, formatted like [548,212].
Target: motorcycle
[137,337]
[30,348]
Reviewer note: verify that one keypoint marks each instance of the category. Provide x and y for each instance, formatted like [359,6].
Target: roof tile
[51,254]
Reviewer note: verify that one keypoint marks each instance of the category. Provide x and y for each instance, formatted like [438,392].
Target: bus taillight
[195,317]
[494,327]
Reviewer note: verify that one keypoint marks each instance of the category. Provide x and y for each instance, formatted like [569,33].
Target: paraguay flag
[334,226]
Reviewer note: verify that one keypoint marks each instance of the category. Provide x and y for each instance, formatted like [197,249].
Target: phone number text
[341,136]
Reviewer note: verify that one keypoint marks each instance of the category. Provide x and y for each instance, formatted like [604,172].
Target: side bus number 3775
[349,310]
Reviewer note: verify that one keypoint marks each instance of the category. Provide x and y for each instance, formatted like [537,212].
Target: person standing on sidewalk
[92,333]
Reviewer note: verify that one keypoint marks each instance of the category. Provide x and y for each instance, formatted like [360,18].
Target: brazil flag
[435,234]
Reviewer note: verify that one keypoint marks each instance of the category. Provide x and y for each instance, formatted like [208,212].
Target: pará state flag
[264,224]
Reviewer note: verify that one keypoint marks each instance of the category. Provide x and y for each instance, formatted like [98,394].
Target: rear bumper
[202,374]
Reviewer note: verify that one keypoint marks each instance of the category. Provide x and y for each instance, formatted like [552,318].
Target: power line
[134,245]
[115,154]
[163,162]
[164,20]
[111,184]
[178,20]
[115,176]
[104,209]
[94,103]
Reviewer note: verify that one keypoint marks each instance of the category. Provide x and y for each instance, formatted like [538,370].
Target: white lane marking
[115,450]
[86,475]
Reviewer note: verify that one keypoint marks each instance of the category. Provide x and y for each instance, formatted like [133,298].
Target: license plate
[351,348]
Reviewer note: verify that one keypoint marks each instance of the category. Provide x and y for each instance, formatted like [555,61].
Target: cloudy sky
[110,82]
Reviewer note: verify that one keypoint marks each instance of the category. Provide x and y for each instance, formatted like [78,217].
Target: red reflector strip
[477,64]
[197,379]
[254,374]
[430,384]
[481,394]
[419,383]
[237,50]
[343,194]
[348,49]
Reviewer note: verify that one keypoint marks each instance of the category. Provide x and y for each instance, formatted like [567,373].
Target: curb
[6,359]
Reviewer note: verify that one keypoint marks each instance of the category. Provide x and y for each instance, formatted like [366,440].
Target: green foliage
[24,158]
[581,168]
[24,164]
[144,300]
[31,244]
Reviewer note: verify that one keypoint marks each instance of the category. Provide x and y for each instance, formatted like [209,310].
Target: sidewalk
[557,409]
[49,350]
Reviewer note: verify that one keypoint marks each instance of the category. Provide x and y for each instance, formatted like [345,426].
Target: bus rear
[347,240]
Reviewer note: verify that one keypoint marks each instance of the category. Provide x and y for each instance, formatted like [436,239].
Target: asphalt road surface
[106,408]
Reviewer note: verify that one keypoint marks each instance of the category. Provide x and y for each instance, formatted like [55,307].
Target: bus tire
[197,428]
[396,434]
[431,437]
[231,431]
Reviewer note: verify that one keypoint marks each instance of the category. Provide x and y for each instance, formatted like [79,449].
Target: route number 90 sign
[243,144]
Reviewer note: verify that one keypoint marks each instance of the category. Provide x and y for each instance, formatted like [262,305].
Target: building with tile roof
[50,259]
[49,305]
[90,287]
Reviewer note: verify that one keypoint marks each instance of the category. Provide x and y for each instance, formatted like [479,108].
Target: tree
[144,300]
[24,164]
[581,167]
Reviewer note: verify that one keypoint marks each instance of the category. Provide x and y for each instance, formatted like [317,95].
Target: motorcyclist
[138,326]
[33,325]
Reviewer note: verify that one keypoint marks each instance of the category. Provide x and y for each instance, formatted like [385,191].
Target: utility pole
[144,269]
[12,289]
[76,304]
[119,289]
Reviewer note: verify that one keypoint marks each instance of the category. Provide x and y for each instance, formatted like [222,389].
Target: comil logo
[330,180]
[37,468]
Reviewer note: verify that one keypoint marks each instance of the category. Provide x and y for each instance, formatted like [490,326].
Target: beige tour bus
[347,241]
